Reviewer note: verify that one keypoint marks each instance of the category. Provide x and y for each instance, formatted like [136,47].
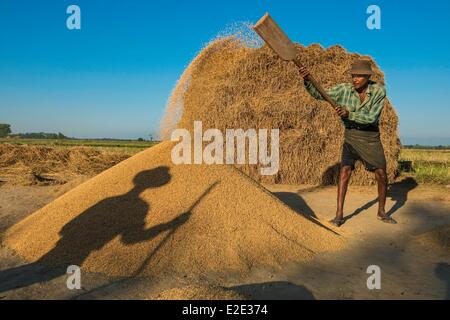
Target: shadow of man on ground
[398,192]
[299,205]
[174,227]
[274,291]
[361,209]
[442,271]
[296,203]
[94,228]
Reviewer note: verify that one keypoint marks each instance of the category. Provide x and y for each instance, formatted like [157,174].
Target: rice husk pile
[147,216]
[198,292]
[43,165]
[436,240]
[230,85]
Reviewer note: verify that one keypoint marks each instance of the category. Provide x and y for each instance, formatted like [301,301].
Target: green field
[427,166]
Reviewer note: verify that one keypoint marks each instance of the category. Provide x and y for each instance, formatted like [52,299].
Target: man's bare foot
[338,221]
[385,218]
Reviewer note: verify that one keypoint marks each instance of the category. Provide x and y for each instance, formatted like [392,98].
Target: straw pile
[43,165]
[147,216]
[230,85]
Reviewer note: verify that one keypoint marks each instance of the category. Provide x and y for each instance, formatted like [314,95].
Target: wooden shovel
[272,34]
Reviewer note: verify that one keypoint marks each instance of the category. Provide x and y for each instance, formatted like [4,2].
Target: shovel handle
[319,88]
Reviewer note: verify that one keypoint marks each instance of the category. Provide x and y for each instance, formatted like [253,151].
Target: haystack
[42,165]
[231,85]
[148,216]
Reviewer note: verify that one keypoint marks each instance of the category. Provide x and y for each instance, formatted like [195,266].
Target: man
[360,105]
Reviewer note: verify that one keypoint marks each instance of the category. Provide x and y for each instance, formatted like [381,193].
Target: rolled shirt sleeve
[333,92]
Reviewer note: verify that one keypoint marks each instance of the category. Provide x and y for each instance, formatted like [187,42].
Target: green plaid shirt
[345,95]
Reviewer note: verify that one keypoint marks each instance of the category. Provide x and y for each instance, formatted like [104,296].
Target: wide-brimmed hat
[362,67]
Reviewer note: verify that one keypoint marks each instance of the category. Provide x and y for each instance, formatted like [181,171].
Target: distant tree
[418,146]
[140,139]
[151,137]
[41,135]
[5,130]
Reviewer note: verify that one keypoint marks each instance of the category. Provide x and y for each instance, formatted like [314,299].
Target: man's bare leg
[344,178]
[381,177]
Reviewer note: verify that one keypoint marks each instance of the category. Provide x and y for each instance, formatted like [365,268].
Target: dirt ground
[409,270]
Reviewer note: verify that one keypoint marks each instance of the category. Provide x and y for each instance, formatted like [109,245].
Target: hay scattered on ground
[198,292]
[230,85]
[437,240]
[43,165]
[147,216]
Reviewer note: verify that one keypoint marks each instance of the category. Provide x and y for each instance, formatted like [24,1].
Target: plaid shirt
[345,95]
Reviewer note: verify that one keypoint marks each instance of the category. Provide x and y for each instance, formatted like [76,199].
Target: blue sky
[113,77]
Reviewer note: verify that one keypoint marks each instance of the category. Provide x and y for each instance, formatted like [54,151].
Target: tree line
[419,146]
[5,132]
